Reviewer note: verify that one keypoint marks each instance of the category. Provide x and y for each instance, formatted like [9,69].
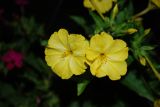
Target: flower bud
[131,30]
[142,61]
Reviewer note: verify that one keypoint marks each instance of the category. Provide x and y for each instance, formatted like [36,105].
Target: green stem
[146,10]
[157,74]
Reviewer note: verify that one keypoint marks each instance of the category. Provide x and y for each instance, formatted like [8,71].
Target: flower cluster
[67,54]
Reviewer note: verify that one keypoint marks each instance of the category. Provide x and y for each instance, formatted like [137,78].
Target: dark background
[54,14]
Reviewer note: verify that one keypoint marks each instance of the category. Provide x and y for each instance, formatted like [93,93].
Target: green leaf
[37,64]
[83,23]
[79,20]
[137,84]
[81,86]
[125,14]
[147,48]
[98,21]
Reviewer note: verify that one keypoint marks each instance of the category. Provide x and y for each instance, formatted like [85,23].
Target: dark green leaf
[81,86]
[98,22]
[83,23]
[137,84]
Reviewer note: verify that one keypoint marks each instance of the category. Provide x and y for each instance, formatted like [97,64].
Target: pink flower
[12,59]
[21,3]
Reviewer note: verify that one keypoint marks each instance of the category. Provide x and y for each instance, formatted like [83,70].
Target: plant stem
[157,74]
[146,10]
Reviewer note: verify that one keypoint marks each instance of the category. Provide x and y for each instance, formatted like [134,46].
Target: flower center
[103,57]
[67,53]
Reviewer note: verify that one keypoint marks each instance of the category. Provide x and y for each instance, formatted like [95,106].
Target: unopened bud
[142,61]
[115,11]
[131,30]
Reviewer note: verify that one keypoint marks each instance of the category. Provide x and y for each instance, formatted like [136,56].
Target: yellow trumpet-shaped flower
[107,56]
[100,5]
[65,53]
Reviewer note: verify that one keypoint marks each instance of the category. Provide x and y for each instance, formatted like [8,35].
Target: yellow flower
[65,53]
[156,2]
[100,5]
[107,56]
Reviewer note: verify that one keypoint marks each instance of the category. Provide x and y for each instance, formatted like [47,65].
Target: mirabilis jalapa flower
[100,5]
[65,53]
[107,56]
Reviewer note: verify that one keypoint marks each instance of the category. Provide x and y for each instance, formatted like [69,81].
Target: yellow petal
[77,66]
[62,69]
[91,54]
[101,6]
[78,44]
[81,51]
[117,69]
[118,56]
[88,4]
[117,46]
[58,40]
[113,76]
[102,71]
[52,60]
[95,66]
[63,37]
[51,51]
[113,69]
[105,6]
[101,42]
